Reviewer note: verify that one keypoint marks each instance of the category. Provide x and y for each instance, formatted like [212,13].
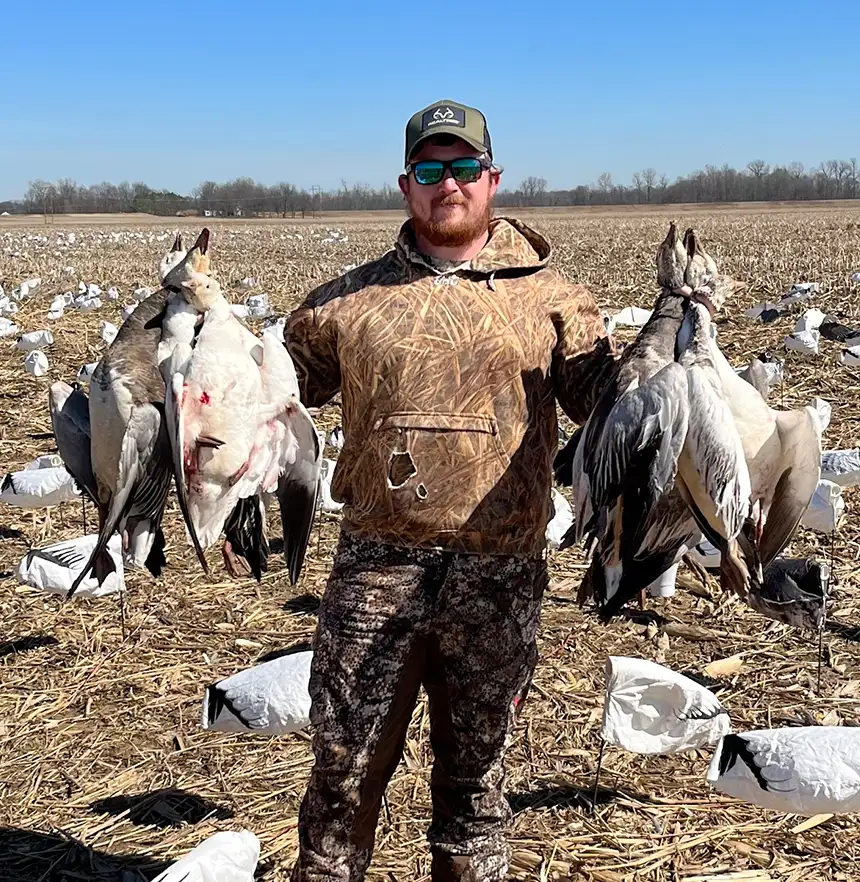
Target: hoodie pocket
[440,463]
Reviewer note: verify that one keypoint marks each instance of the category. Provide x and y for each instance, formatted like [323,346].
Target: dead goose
[131,457]
[626,462]
[783,454]
[239,433]
[714,480]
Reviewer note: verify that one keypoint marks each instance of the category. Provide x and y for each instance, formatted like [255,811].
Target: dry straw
[104,771]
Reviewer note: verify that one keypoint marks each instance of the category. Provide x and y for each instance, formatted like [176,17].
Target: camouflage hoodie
[449,381]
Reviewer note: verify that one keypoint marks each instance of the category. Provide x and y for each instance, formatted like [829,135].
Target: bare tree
[758,168]
[637,185]
[649,176]
[533,190]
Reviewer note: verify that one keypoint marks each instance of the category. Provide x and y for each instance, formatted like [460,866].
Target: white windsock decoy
[841,467]
[826,508]
[325,500]
[850,356]
[825,412]
[113,293]
[561,521]
[664,586]
[8,328]
[651,709]
[35,340]
[631,317]
[108,332]
[336,438]
[270,699]
[53,569]
[86,371]
[127,310]
[804,342]
[810,320]
[36,363]
[227,856]
[56,309]
[140,294]
[258,306]
[808,770]
[38,488]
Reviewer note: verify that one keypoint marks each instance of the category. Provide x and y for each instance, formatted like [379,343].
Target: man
[449,353]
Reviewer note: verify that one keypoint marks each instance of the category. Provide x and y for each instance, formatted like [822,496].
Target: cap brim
[441,130]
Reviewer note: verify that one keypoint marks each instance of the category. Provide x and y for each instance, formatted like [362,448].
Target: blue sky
[175,93]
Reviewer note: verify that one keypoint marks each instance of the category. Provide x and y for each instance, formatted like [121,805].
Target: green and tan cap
[448,118]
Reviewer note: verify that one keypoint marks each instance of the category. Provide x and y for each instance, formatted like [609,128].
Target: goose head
[195,260]
[671,260]
[202,292]
[172,259]
[702,278]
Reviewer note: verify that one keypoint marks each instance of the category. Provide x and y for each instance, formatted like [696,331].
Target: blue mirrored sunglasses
[466,170]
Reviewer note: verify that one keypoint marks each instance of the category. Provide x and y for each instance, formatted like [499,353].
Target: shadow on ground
[27,644]
[28,856]
[162,808]
[569,796]
[308,604]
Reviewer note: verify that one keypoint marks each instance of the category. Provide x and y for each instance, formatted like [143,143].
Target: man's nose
[448,183]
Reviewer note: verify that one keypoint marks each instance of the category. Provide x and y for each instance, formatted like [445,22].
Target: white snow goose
[239,433]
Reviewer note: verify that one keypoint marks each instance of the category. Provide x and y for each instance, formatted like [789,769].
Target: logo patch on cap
[443,116]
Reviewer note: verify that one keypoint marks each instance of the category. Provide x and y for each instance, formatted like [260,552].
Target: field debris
[100,734]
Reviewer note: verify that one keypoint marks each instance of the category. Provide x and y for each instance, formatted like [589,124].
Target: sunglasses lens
[466,171]
[428,172]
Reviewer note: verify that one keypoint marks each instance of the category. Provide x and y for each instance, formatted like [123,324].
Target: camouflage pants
[392,620]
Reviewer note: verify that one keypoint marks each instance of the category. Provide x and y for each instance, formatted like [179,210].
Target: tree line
[757,182]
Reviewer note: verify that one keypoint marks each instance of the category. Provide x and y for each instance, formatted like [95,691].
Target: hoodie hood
[513,248]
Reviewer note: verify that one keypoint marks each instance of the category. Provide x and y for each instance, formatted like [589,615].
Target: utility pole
[316,191]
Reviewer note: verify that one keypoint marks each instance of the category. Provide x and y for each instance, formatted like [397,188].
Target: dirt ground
[105,772]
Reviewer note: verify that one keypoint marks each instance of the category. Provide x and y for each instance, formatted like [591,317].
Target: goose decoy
[239,433]
[561,520]
[325,500]
[53,569]
[755,373]
[808,770]
[651,709]
[832,329]
[271,698]
[227,856]
[793,592]
[842,467]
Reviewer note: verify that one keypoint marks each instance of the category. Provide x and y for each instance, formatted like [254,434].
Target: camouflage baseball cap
[448,118]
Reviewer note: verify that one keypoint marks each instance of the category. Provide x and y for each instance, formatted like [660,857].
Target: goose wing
[70,420]
[634,552]
[173,401]
[801,456]
[646,430]
[298,487]
[138,486]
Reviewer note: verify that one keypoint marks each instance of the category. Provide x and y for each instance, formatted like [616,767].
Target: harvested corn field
[105,771]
